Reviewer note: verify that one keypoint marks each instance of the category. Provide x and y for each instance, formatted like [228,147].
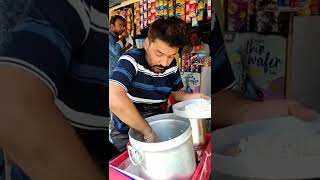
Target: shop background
[198,14]
[286,29]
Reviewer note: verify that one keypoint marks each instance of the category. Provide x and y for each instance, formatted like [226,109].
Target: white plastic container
[172,158]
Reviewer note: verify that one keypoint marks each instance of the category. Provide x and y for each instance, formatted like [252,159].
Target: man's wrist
[148,136]
[121,38]
[147,133]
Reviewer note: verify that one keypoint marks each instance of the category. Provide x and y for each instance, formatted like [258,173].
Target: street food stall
[184,150]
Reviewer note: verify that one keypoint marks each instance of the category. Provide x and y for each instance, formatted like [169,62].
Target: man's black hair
[114,19]
[173,31]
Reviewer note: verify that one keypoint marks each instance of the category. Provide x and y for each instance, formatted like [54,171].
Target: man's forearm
[182,96]
[125,110]
[231,108]
[35,133]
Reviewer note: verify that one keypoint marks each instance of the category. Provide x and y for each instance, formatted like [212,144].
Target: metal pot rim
[162,146]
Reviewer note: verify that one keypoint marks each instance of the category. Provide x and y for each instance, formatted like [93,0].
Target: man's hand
[151,137]
[182,96]
[302,112]
[258,110]
[124,35]
[125,110]
[242,110]
[201,95]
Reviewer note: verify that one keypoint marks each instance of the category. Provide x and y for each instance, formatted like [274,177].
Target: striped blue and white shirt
[64,43]
[143,86]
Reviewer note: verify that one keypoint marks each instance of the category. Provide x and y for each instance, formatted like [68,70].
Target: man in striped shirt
[54,76]
[143,79]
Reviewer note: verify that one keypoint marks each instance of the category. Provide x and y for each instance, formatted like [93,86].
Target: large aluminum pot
[172,158]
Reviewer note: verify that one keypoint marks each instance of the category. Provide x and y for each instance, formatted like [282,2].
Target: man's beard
[117,33]
[159,69]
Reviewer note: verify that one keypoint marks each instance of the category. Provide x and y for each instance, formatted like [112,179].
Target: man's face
[159,55]
[195,39]
[118,27]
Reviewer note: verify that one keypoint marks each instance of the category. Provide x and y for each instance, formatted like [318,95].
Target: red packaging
[203,171]
[193,9]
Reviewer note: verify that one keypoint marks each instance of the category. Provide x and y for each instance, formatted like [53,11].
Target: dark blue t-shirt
[146,89]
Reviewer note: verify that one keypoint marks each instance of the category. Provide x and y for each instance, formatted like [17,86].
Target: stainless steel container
[197,111]
[172,158]
[199,130]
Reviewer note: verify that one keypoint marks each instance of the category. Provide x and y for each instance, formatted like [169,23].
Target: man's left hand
[201,95]
[302,112]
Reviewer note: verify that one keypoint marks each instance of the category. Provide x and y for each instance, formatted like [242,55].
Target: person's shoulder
[111,34]
[205,44]
[137,54]
[98,5]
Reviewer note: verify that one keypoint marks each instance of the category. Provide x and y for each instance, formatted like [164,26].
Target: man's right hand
[124,35]
[153,138]
[302,112]
[129,113]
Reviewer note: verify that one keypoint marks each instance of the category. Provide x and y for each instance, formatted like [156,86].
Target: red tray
[202,172]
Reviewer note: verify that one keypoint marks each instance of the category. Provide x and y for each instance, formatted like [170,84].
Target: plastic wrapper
[188,19]
[237,15]
[180,9]
[251,15]
[160,8]
[200,15]
[171,8]
[209,10]
[129,18]
[193,8]
[200,9]
[137,13]
[141,14]
[165,8]
[267,16]
[306,7]
[194,22]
